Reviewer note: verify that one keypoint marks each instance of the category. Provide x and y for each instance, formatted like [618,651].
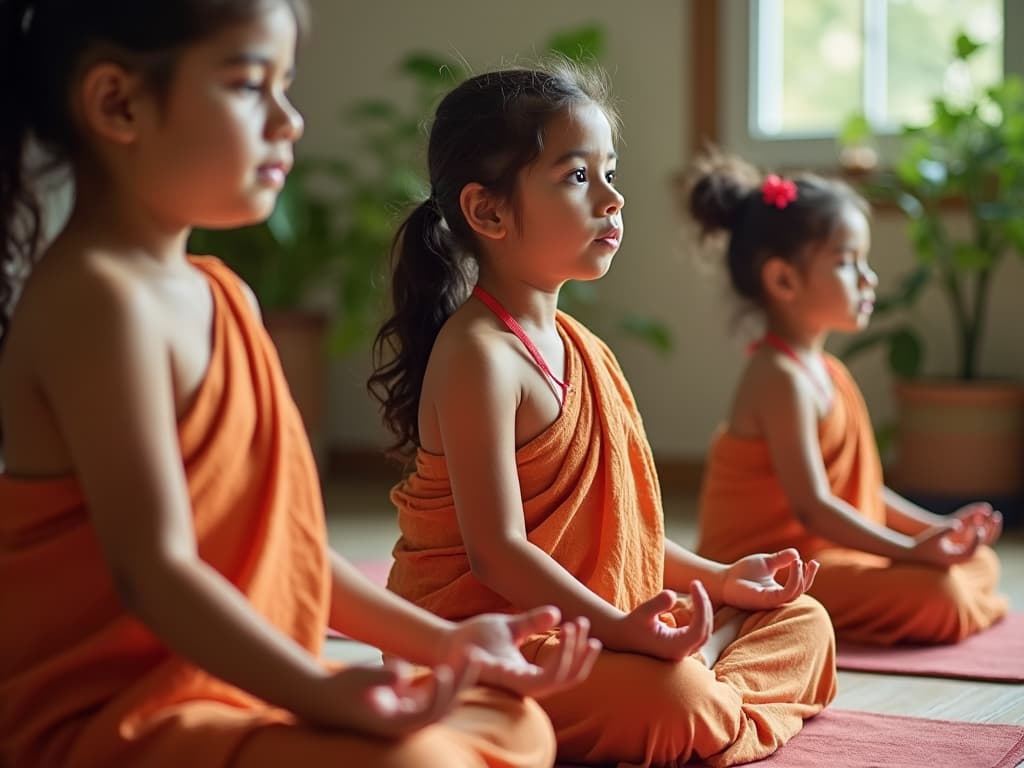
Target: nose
[868,276]
[285,122]
[612,203]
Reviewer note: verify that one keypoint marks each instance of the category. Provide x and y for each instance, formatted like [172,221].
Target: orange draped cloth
[83,684]
[743,509]
[591,501]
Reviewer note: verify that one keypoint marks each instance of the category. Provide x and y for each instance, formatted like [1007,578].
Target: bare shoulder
[471,348]
[85,296]
[770,385]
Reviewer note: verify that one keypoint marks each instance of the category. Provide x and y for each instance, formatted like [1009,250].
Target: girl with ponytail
[162,534]
[534,482]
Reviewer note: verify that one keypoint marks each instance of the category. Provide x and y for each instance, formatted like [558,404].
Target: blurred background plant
[330,234]
[968,159]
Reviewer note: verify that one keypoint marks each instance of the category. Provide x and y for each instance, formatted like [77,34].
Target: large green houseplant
[960,182]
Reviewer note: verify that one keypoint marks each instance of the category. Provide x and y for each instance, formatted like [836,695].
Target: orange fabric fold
[590,498]
[591,501]
[85,685]
[743,510]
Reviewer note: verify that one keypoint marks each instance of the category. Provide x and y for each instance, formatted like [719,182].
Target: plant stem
[953,291]
[973,338]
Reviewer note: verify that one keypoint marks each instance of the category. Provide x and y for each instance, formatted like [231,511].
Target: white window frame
[736,64]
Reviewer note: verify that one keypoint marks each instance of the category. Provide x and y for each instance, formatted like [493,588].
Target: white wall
[353,54]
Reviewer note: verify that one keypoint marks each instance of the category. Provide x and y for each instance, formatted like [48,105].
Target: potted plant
[960,182]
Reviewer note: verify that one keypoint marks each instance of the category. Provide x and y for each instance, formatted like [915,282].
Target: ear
[483,212]
[110,100]
[780,279]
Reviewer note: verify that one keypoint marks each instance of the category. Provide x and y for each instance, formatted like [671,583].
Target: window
[793,71]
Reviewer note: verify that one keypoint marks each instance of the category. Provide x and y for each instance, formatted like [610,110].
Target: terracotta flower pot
[960,439]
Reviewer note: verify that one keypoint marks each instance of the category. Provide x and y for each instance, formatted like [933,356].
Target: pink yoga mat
[996,655]
[839,738]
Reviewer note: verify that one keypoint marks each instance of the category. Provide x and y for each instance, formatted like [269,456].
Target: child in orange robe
[166,579]
[797,464]
[534,481]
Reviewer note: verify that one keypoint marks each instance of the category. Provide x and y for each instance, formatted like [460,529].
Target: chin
[240,218]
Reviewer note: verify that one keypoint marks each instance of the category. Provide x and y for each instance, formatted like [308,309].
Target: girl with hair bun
[796,464]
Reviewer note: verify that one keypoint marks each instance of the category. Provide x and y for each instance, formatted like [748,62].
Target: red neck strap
[777,342]
[510,322]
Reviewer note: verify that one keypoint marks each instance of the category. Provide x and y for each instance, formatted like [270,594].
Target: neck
[796,335]
[108,218]
[529,305]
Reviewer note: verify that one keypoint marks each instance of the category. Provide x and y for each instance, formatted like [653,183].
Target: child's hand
[980,515]
[944,546]
[495,640]
[750,583]
[389,701]
[642,631]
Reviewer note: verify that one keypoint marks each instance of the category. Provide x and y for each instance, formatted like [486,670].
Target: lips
[611,237]
[274,173]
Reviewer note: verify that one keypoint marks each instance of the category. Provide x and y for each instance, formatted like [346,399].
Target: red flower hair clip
[778,191]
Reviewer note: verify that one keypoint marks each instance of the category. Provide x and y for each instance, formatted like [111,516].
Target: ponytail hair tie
[778,191]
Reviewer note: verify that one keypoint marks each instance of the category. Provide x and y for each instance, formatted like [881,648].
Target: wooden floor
[362,525]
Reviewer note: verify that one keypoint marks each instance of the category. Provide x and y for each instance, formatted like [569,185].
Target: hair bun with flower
[778,191]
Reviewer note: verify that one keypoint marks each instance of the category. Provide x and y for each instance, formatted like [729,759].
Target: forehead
[852,224]
[269,35]
[583,127]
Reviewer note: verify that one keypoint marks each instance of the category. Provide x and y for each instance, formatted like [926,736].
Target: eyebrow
[572,154]
[248,58]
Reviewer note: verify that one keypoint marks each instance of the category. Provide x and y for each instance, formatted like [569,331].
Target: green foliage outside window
[969,155]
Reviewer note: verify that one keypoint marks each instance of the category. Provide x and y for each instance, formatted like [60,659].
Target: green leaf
[965,46]
[281,224]
[855,131]
[583,44]
[906,293]
[575,294]
[372,109]
[863,342]
[430,69]
[650,331]
[969,256]
[905,352]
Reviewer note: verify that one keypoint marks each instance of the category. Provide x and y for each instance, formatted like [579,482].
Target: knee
[807,619]
[687,711]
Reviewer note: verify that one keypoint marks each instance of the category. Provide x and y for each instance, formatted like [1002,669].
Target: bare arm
[683,566]
[367,612]
[906,517]
[789,421]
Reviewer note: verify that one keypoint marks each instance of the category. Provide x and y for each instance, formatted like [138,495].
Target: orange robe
[743,509]
[591,501]
[83,684]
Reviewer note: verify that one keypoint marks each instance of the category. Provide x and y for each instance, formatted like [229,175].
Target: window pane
[920,52]
[819,61]
[809,73]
